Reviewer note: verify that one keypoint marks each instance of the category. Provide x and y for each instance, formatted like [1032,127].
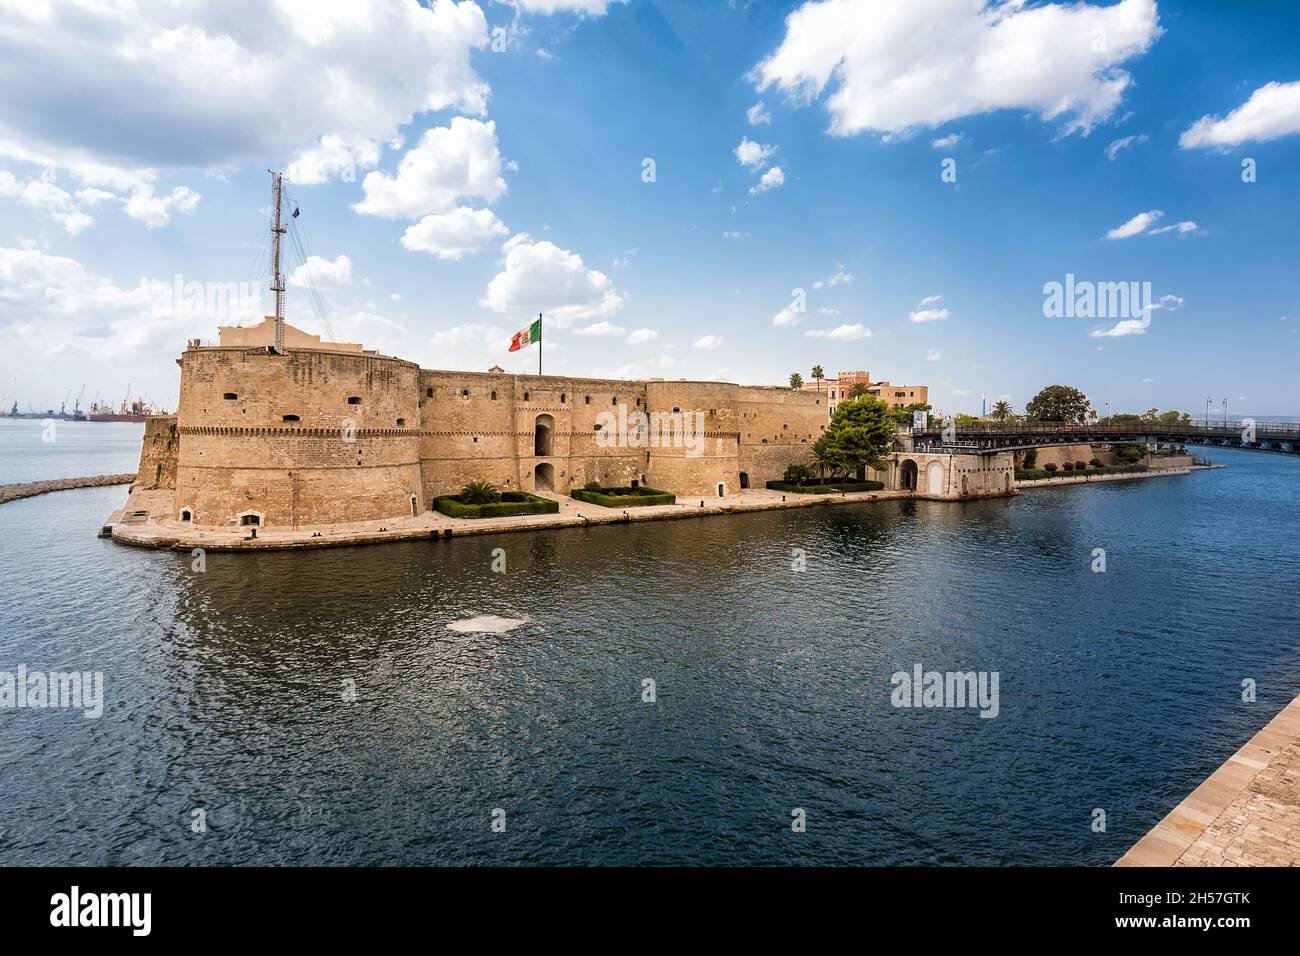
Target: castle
[320,433]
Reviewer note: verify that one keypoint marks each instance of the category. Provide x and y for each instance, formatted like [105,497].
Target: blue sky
[460,167]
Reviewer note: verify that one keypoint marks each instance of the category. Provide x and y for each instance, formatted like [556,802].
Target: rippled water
[31,450]
[225,689]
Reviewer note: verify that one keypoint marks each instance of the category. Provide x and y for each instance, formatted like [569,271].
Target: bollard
[253,535]
[701,504]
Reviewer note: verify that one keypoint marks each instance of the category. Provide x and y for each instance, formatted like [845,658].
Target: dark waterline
[225,688]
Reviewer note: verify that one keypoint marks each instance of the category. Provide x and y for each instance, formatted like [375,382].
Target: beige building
[322,433]
[839,388]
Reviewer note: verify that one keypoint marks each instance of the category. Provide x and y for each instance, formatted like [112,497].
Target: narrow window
[561,398]
[588,399]
[525,396]
[230,396]
[354,399]
[401,423]
[464,393]
[494,396]
[186,514]
[292,418]
[428,393]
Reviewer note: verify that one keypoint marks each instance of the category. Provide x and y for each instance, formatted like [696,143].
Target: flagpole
[539,343]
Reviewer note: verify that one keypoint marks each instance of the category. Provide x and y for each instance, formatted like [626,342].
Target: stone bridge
[986,438]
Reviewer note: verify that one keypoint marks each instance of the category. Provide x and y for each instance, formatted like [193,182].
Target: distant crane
[76,408]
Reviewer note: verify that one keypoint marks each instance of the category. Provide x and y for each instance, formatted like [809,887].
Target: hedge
[512,503]
[1037,474]
[830,487]
[624,497]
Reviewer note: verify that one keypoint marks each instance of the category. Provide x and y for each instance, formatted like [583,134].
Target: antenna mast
[277,282]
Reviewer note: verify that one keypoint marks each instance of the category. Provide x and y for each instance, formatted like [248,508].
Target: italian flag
[527,337]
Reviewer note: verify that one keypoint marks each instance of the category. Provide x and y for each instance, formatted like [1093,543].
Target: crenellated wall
[317,437]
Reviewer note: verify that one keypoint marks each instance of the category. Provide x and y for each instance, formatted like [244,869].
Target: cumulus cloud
[946,142]
[450,162]
[642,336]
[770,180]
[191,85]
[1135,226]
[1184,228]
[322,273]
[1138,326]
[707,342]
[595,8]
[1273,111]
[926,310]
[786,317]
[52,201]
[841,333]
[900,64]
[933,355]
[156,211]
[456,234]
[600,328]
[757,115]
[333,156]
[542,277]
[752,154]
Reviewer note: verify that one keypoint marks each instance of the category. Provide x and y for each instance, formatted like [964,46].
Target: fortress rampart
[319,436]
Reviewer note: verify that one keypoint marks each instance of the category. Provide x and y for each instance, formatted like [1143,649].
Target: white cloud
[733,234]
[1187,227]
[1122,328]
[902,64]
[642,336]
[933,355]
[707,342]
[752,154]
[946,142]
[600,328]
[758,115]
[196,85]
[322,273]
[542,277]
[839,277]
[456,234]
[827,311]
[1119,145]
[1135,226]
[155,211]
[50,200]
[333,156]
[841,333]
[771,179]
[1273,111]
[786,317]
[923,312]
[450,162]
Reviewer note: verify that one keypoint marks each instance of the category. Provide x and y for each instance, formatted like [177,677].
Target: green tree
[819,374]
[479,493]
[861,432]
[903,413]
[857,390]
[1058,403]
[822,457]
[961,418]
[796,380]
[1001,411]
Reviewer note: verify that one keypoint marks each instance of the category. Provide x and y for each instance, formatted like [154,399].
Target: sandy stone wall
[159,451]
[314,437]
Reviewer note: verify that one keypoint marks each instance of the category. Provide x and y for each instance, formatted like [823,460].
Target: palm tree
[479,493]
[819,374]
[1002,411]
[796,380]
[820,457]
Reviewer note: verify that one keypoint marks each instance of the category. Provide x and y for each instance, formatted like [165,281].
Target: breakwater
[26,489]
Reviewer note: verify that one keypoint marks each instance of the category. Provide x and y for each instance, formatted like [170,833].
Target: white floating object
[486,624]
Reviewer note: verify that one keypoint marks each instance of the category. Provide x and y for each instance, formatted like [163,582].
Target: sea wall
[159,452]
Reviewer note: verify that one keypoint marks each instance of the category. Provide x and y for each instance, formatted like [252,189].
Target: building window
[401,423]
[250,519]
[614,400]
[677,410]
[494,396]
[562,397]
[588,399]
[230,396]
[291,418]
[428,393]
[354,399]
[464,393]
[525,396]
[187,514]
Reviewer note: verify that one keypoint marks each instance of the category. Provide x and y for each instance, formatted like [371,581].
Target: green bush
[1096,463]
[1080,465]
[624,497]
[591,486]
[1068,465]
[510,504]
[831,487]
[1050,466]
[1031,458]
[797,473]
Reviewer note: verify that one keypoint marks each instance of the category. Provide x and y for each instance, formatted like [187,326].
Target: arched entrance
[907,476]
[744,480]
[544,477]
[543,430]
[963,484]
[934,478]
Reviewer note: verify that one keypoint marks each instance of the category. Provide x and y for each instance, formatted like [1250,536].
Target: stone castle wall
[316,437]
[158,453]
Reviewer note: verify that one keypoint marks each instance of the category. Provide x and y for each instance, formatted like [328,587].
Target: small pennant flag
[295,212]
[527,337]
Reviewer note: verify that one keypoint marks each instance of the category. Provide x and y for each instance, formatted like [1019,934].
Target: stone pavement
[1246,813]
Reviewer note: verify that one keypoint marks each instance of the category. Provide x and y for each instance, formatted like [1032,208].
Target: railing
[1284,431]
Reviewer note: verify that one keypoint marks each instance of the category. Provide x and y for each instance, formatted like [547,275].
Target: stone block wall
[158,453]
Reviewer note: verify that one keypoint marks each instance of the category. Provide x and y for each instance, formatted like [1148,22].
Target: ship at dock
[136,411]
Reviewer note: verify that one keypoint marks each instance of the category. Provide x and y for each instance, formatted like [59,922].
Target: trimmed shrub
[797,473]
[1080,465]
[1050,466]
[1068,465]
[512,503]
[831,487]
[479,493]
[1096,463]
[624,497]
